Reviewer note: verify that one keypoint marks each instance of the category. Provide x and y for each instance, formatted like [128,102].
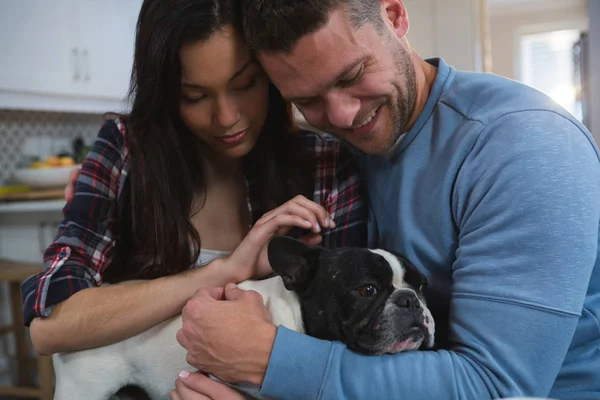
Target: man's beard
[402,105]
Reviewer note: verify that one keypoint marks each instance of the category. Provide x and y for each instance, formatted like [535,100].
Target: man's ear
[396,16]
[294,261]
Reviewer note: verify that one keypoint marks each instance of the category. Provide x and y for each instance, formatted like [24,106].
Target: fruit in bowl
[53,162]
[50,173]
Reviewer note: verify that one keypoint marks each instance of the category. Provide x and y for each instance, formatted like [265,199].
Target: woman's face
[224,93]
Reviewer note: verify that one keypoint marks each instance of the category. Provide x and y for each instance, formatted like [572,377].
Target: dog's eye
[367,291]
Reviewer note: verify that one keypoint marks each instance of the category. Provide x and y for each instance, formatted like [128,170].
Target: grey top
[207,255]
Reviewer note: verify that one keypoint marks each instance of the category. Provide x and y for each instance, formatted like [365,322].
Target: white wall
[510,19]
[450,29]
[594,60]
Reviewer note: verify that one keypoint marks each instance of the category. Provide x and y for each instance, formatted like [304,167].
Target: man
[488,186]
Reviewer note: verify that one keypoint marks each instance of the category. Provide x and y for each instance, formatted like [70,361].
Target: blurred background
[64,63]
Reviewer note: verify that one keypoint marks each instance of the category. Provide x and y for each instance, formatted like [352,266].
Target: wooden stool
[14,273]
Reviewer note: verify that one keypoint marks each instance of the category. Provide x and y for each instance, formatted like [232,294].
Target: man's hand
[70,188]
[197,386]
[228,333]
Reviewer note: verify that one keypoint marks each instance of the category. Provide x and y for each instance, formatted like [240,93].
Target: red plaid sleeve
[338,188]
[84,244]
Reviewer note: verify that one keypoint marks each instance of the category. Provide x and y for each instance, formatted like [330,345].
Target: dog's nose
[408,300]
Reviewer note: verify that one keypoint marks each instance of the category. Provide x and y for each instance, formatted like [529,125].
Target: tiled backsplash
[17,126]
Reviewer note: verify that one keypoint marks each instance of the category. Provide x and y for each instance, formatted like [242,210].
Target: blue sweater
[495,195]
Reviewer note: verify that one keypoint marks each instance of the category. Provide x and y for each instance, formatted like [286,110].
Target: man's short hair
[277,25]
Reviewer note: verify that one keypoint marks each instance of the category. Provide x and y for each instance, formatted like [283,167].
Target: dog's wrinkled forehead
[356,265]
[398,271]
[406,274]
[382,266]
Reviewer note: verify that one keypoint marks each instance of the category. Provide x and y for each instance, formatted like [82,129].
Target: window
[547,65]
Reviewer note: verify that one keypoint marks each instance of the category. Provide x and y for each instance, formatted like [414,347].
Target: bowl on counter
[44,178]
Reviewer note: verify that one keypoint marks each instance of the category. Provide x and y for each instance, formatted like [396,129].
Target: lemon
[66,161]
[38,165]
[53,161]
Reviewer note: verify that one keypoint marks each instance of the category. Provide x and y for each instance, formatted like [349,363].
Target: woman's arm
[103,315]
[66,305]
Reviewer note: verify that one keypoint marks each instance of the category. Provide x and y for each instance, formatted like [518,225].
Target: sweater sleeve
[527,207]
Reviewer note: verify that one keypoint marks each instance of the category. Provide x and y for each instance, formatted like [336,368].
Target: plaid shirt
[85,242]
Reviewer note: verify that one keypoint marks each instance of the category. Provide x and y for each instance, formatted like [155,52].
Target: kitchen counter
[28,226]
[27,201]
[31,206]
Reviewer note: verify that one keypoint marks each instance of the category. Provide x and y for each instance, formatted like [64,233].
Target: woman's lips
[233,139]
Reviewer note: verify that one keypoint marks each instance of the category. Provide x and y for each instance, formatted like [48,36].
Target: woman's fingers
[260,235]
[277,225]
[322,215]
[301,206]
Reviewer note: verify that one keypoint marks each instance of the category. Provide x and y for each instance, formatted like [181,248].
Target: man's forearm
[524,363]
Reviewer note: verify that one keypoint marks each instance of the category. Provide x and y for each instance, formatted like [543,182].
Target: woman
[207,149]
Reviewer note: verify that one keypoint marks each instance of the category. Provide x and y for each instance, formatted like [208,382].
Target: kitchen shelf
[32,206]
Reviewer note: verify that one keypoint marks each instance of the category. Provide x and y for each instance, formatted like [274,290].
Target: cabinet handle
[86,62]
[75,61]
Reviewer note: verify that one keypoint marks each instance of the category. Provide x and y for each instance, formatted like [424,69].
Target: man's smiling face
[356,83]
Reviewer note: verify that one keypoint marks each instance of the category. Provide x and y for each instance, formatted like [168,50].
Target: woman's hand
[251,255]
[70,188]
[197,386]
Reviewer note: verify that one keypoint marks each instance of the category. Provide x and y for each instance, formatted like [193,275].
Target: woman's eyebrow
[241,70]
[238,73]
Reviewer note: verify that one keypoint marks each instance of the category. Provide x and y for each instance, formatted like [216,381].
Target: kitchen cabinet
[106,43]
[66,55]
[36,49]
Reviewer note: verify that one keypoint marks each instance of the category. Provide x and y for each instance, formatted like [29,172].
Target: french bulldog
[371,300]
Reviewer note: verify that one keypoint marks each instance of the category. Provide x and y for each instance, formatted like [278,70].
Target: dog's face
[371,300]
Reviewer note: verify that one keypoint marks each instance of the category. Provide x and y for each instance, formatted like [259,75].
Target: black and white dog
[371,300]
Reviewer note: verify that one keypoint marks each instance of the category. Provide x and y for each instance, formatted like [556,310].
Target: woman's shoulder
[114,131]
[110,150]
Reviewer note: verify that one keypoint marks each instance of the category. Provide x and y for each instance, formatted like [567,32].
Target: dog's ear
[294,261]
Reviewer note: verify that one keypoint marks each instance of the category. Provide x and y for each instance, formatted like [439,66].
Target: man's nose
[341,109]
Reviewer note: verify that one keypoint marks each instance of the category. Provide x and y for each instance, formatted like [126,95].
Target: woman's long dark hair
[155,236]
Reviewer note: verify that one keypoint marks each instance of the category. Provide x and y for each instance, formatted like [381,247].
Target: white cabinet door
[37,55]
[66,55]
[106,41]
